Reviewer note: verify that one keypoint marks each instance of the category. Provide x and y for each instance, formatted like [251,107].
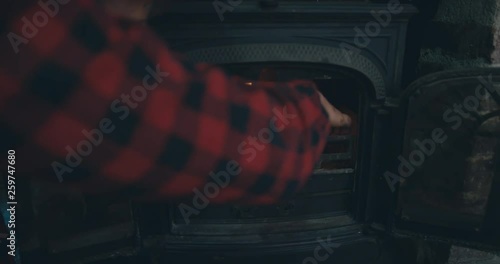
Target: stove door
[446,176]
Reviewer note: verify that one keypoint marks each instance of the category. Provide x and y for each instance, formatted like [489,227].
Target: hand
[337,118]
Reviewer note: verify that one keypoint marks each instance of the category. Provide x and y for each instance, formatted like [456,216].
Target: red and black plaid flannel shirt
[101,105]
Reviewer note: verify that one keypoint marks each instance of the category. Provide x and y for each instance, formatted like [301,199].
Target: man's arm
[101,106]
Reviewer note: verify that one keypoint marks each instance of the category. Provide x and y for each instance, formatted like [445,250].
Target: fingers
[337,118]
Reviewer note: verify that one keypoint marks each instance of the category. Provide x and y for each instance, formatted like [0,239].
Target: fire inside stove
[330,192]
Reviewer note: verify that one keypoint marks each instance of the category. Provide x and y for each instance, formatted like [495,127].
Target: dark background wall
[452,34]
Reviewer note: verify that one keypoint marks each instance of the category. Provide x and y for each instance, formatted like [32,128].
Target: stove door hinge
[387,106]
[375,229]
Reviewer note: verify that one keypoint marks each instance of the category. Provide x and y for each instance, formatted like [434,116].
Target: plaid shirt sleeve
[101,105]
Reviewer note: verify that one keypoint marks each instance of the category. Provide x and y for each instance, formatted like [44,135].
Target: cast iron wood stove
[348,200]
[290,41]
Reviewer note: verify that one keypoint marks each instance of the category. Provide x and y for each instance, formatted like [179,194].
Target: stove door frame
[386,213]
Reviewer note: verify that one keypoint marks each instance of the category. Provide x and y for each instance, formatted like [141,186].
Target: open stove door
[446,174]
